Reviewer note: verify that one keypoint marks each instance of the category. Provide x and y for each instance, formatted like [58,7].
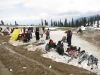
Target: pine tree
[51,23]
[69,23]
[97,21]
[80,22]
[93,20]
[45,22]
[42,22]
[85,21]
[98,17]
[65,23]
[15,23]
[60,23]
[88,22]
[72,23]
[54,23]
[77,23]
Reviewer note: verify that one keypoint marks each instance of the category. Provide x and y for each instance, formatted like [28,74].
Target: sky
[27,12]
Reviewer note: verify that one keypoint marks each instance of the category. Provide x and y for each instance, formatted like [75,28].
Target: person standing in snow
[41,32]
[49,33]
[28,35]
[37,34]
[43,29]
[24,29]
[69,37]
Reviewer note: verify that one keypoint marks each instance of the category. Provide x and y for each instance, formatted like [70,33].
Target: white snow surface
[76,41]
[83,28]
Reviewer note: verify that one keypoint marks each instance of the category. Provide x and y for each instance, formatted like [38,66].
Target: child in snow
[47,35]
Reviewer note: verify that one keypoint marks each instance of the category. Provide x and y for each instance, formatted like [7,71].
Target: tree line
[85,21]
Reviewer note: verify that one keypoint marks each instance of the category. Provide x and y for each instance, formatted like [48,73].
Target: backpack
[47,47]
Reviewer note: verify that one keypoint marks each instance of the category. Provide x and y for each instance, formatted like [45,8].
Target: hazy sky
[31,11]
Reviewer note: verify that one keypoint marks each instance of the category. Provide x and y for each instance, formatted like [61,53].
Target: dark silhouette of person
[37,34]
[69,37]
[24,29]
[28,36]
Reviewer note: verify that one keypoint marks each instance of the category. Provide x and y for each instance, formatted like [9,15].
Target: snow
[51,28]
[82,27]
[94,25]
[76,41]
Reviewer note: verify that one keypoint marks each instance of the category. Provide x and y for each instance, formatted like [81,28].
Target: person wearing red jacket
[52,44]
[24,38]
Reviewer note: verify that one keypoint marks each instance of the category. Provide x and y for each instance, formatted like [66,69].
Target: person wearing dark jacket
[24,29]
[28,36]
[60,48]
[37,34]
[59,44]
[69,37]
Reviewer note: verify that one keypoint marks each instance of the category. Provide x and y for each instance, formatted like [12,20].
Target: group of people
[72,51]
[26,36]
[39,33]
[26,33]
[51,44]
[59,45]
